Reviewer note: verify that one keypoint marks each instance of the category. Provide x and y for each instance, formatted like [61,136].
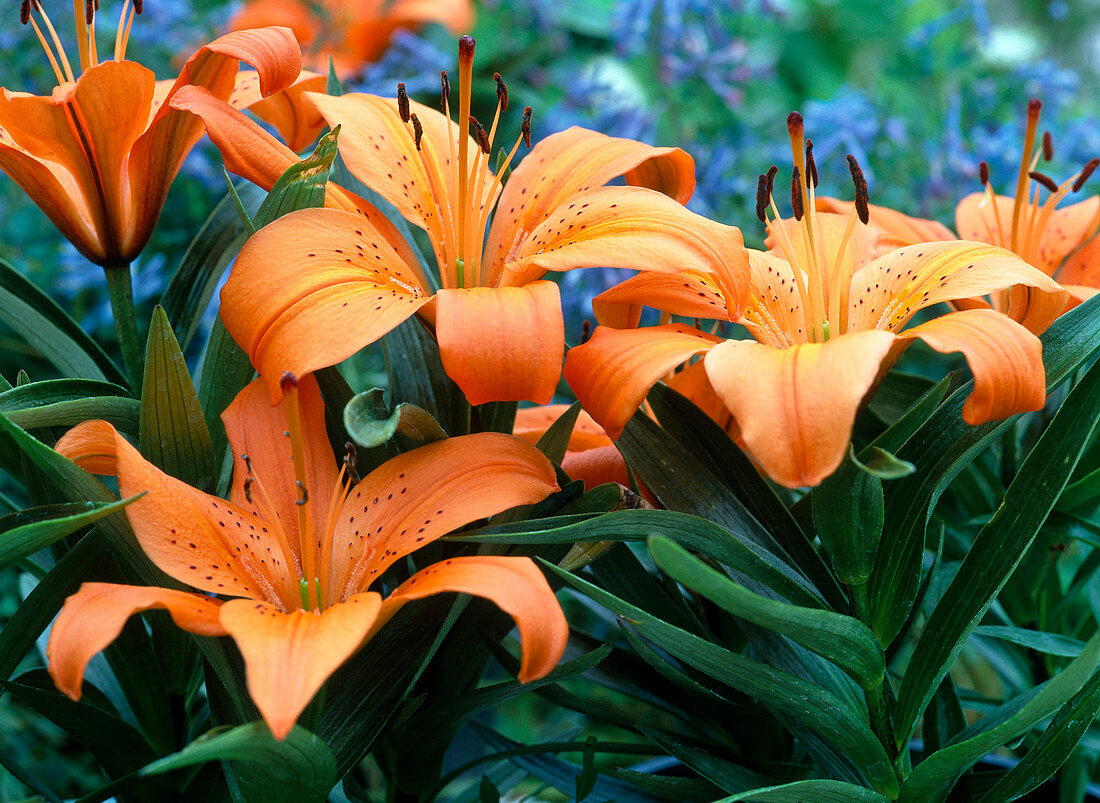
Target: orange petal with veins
[422,495]
[1005,358]
[692,295]
[94,616]
[289,656]
[515,585]
[795,407]
[502,344]
[612,373]
[895,229]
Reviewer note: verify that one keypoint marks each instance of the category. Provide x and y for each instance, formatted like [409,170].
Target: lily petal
[255,428]
[422,495]
[94,616]
[311,289]
[612,373]
[890,290]
[196,538]
[502,344]
[298,124]
[515,585]
[693,295]
[1082,267]
[1005,358]
[289,656]
[795,407]
[895,229]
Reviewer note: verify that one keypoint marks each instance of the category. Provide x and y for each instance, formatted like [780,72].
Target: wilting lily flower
[829,319]
[1032,227]
[98,154]
[316,285]
[352,33]
[293,554]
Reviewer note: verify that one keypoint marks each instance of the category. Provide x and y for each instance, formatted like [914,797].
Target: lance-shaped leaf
[838,638]
[848,511]
[174,436]
[26,532]
[66,402]
[998,549]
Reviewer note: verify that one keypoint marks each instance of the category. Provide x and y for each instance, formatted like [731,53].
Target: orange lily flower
[828,316]
[353,33]
[99,153]
[316,285]
[1041,234]
[298,546]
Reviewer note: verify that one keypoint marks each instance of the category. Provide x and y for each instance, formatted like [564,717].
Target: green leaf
[44,326]
[586,781]
[188,293]
[555,441]
[942,447]
[743,556]
[819,791]
[303,184]
[1086,490]
[724,774]
[26,532]
[416,375]
[998,549]
[1048,643]
[174,436]
[67,402]
[226,371]
[844,641]
[933,778]
[825,714]
[487,791]
[1058,741]
[298,768]
[848,511]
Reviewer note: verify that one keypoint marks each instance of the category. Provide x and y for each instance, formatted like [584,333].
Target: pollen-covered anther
[796,194]
[502,92]
[466,49]
[403,103]
[1086,173]
[525,126]
[301,500]
[772,171]
[138,6]
[1043,179]
[25,12]
[795,125]
[762,198]
[288,382]
[1033,108]
[418,130]
[862,198]
[444,89]
[89,11]
[983,172]
[1048,146]
[586,330]
[480,135]
[811,165]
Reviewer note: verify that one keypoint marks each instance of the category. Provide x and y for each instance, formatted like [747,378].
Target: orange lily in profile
[298,546]
[828,316]
[352,33]
[316,285]
[99,153]
[1041,234]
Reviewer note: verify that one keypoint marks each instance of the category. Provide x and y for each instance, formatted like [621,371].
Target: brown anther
[138,6]
[502,92]
[586,331]
[466,49]
[771,179]
[25,12]
[1048,146]
[794,124]
[403,103]
[1043,179]
[288,382]
[248,489]
[811,165]
[479,133]
[796,194]
[862,198]
[444,89]
[983,173]
[418,129]
[1086,171]
[762,198]
[351,455]
[525,127]
[89,11]
[305,494]
[1033,107]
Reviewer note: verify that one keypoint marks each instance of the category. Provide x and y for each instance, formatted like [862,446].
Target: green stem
[877,707]
[121,291]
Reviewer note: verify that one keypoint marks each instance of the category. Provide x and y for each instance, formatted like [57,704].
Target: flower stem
[121,291]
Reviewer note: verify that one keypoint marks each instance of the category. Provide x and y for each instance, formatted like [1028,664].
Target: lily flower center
[1029,217]
[822,283]
[84,13]
[464,219]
